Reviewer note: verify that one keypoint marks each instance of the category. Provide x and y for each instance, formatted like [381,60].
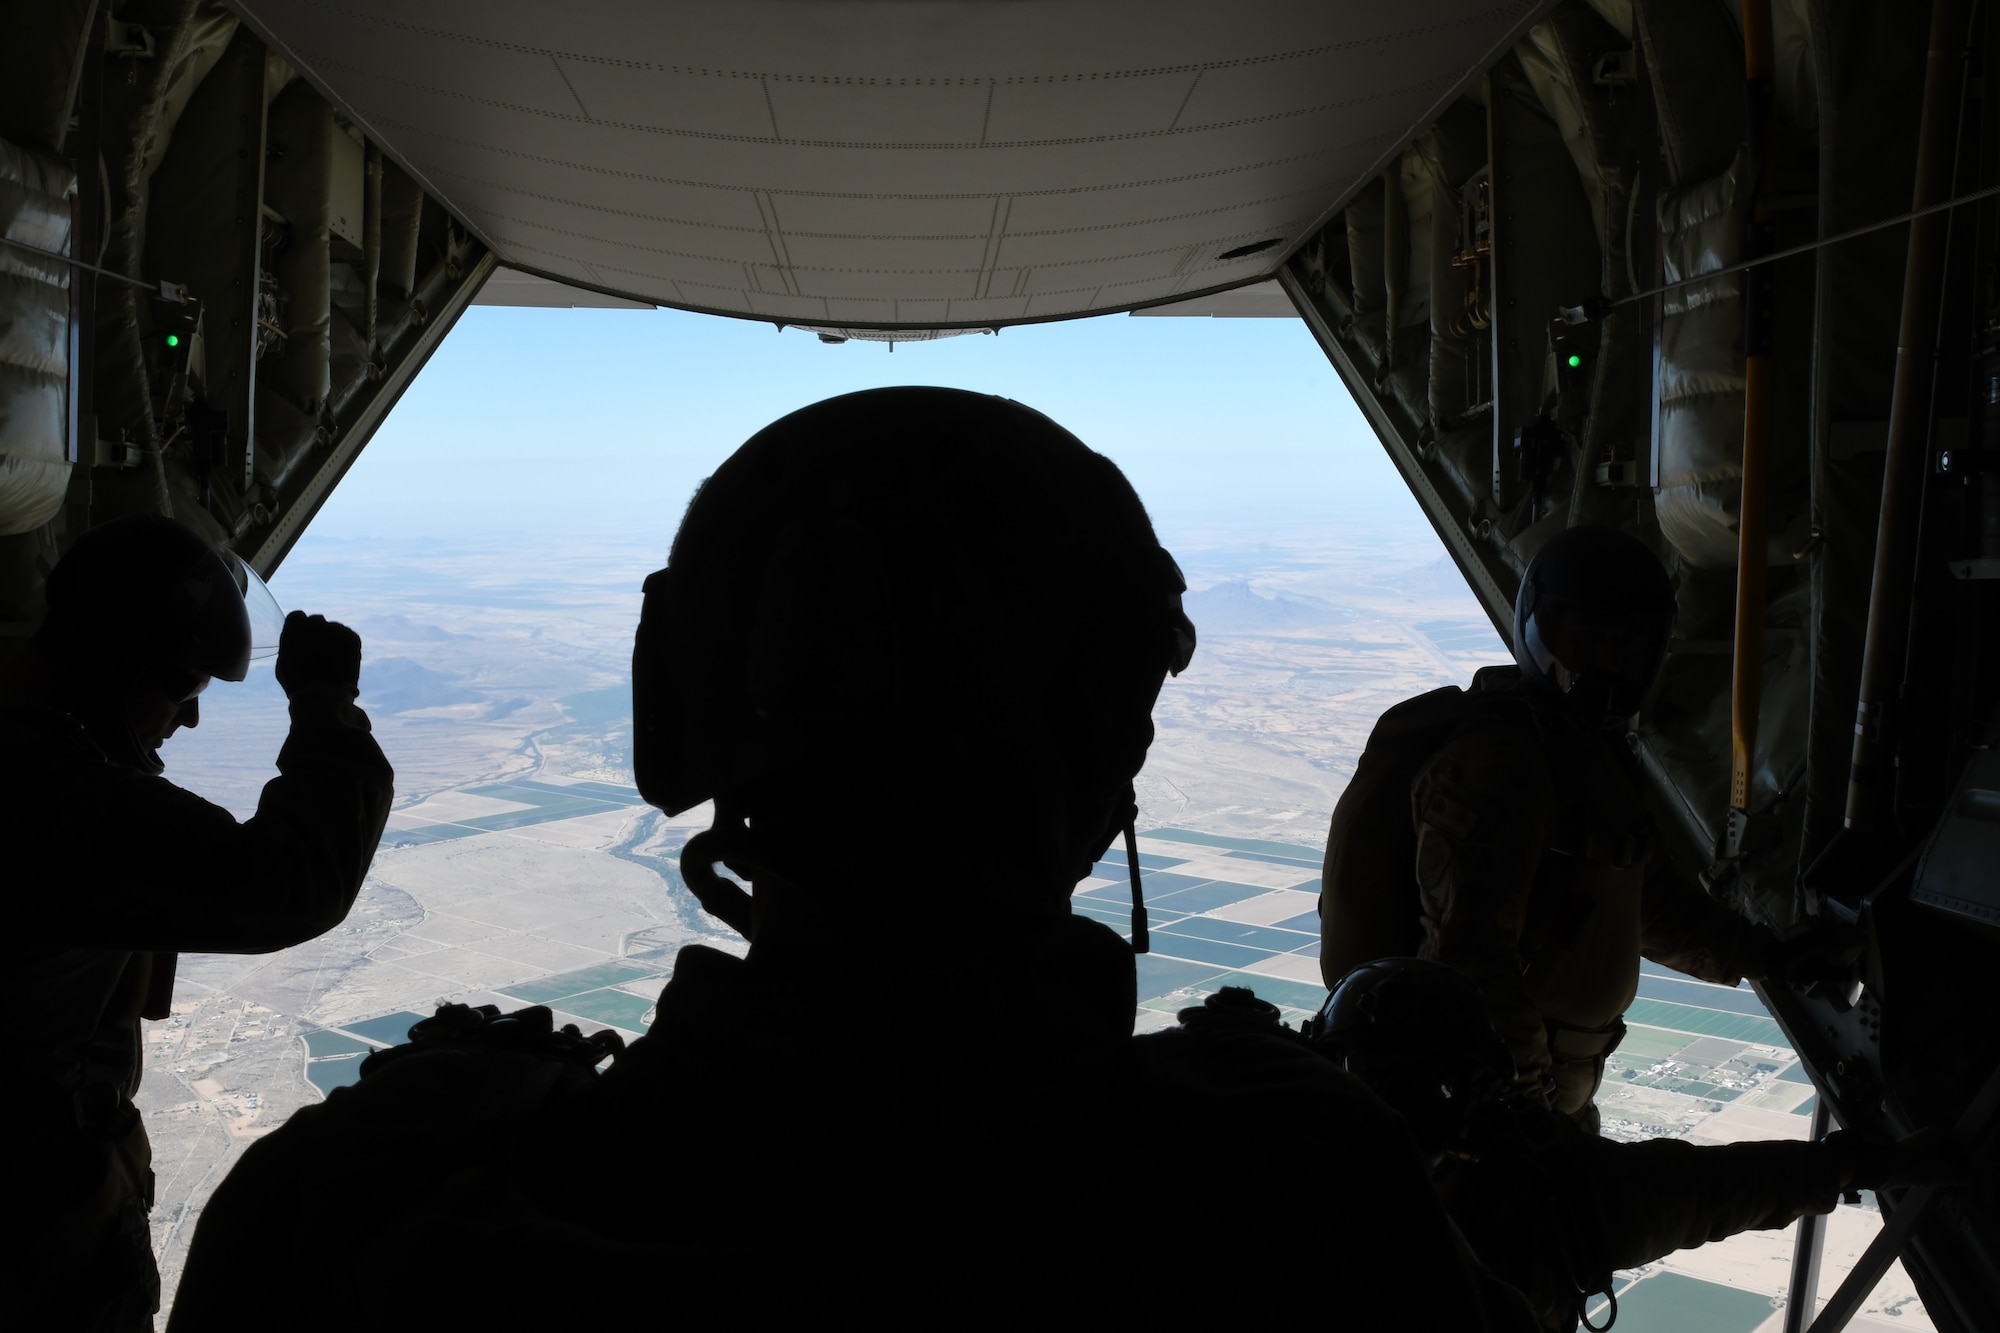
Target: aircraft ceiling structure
[862,165]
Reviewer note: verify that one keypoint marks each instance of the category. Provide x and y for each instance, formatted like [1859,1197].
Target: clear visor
[1619,653]
[267,618]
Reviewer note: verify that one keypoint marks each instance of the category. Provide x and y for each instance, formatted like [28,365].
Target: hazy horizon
[604,421]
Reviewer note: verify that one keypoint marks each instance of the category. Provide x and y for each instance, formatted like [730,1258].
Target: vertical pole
[76,417]
[249,224]
[1759,382]
[86,230]
[1803,1293]
[1988,507]
[1502,326]
[1884,644]
[1658,301]
[85,234]
[1395,271]
[371,250]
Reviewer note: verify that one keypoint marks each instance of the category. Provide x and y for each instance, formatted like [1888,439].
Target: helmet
[143,597]
[1592,619]
[878,563]
[149,591]
[1419,1035]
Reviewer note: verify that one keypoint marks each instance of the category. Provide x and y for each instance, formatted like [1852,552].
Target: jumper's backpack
[1368,900]
[418,1185]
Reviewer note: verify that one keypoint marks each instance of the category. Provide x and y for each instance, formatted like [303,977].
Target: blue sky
[603,421]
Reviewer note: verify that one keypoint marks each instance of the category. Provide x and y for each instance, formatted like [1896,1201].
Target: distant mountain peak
[400,685]
[1234,607]
[402,629]
[1440,576]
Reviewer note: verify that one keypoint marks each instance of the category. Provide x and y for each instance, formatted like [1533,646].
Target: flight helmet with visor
[144,603]
[1592,619]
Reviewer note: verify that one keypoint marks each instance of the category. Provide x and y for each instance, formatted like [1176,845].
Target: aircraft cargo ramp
[1725,276]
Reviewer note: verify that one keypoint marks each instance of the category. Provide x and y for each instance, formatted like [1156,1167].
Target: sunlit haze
[592,420]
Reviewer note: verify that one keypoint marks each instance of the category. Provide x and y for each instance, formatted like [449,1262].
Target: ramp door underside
[872,165]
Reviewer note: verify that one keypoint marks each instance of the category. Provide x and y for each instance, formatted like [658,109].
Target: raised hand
[316,652]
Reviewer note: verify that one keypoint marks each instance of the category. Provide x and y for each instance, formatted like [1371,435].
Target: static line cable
[174,292]
[1807,248]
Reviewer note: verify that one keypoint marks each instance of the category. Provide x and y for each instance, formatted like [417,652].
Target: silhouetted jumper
[908,643]
[113,871]
[1501,829]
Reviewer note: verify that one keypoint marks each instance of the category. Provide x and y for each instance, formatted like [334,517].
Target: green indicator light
[174,340]
[1575,361]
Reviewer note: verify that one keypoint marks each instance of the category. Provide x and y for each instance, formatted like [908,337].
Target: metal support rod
[173,292]
[1659,314]
[85,234]
[1395,269]
[371,248]
[1504,278]
[1759,384]
[1809,1243]
[1902,468]
[87,43]
[1971,1125]
[1874,1262]
[76,418]
[1988,508]
[1913,603]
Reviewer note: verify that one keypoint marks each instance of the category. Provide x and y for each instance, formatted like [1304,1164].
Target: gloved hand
[316,652]
[1826,958]
[1927,1157]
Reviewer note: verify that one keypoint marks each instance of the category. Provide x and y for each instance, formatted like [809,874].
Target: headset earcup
[665,762]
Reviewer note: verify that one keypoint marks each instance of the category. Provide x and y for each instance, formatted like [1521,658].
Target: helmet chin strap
[721,898]
[112,732]
[144,757]
[1546,661]
[1583,690]
[1141,940]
